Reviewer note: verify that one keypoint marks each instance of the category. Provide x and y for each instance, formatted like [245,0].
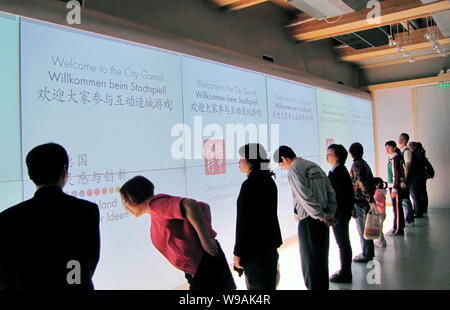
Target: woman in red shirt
[181,230]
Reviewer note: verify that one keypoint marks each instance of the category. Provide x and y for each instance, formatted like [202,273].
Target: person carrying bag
[373,223]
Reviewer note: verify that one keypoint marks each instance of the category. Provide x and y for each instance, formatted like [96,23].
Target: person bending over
[181,230]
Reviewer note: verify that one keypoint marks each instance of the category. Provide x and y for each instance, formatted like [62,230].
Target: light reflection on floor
[291,277]
[419,260]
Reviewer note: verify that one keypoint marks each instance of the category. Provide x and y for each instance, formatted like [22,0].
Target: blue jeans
[362,208]
[407,208]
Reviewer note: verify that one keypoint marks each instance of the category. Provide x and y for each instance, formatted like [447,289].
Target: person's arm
[332,202]
[396,174]
[407,156]
[195,215]
[206,211]
[361,180]
[304,196]
[348,191]
[94,238]
[343,187]
[242,223]
[4,266]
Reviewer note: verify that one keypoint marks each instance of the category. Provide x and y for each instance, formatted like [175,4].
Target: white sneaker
[379,244]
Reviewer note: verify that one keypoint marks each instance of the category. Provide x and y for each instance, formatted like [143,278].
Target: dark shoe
[410,224]
[338,278]
[361,259]
[418,216]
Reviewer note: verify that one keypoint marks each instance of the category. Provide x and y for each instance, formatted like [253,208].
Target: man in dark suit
[51,241]
[342,185]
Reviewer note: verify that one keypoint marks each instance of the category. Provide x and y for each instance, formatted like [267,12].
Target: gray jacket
[312,192]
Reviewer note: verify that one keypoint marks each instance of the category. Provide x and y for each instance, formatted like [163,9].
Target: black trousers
[425,196]
[399,217]
[314,242]
[261,270]
[417,189]
[342,236]
[213,273]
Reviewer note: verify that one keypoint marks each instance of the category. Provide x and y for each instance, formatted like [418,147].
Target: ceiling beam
[234,5]
[285,5]
[392,12]
[410,83]
[400,61]
[413,43]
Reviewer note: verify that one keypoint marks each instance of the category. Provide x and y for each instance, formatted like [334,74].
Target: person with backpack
[427,172]
[397,187]
[363,187]
[407,162]
[416,179]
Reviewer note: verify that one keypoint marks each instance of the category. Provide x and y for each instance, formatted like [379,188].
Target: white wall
[433,130]
[394,115]
[425,118]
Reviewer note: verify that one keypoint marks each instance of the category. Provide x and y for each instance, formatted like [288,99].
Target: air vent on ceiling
[268,58]
[364,39]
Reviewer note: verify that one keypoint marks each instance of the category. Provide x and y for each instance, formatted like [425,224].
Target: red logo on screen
[214,157]
[329,142]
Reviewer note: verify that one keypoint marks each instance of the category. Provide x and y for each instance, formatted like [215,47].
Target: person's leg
[416,197]
[407,207]
[252,272]
[425,196]
[341,234]
[395,212]
[213,273]
[369,248]
[360,222]
[303,232]
[261,271]
[401,194]
[381,242]
[314,247]
[362,208]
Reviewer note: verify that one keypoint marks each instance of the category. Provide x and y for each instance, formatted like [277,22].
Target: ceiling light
[322,9]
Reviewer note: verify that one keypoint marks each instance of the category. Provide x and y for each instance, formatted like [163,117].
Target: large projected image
[292,107]
[113,110]
[361,123]
[344,120]
[10,157]
[123,109]
[334,122]
[216,97]
[227,105]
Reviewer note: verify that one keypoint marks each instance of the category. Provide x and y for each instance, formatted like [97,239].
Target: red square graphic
[328,142]
[214,157]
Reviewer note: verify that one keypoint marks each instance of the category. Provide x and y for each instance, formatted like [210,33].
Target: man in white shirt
[407,160]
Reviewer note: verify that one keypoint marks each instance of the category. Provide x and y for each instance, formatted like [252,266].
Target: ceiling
[357,40]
